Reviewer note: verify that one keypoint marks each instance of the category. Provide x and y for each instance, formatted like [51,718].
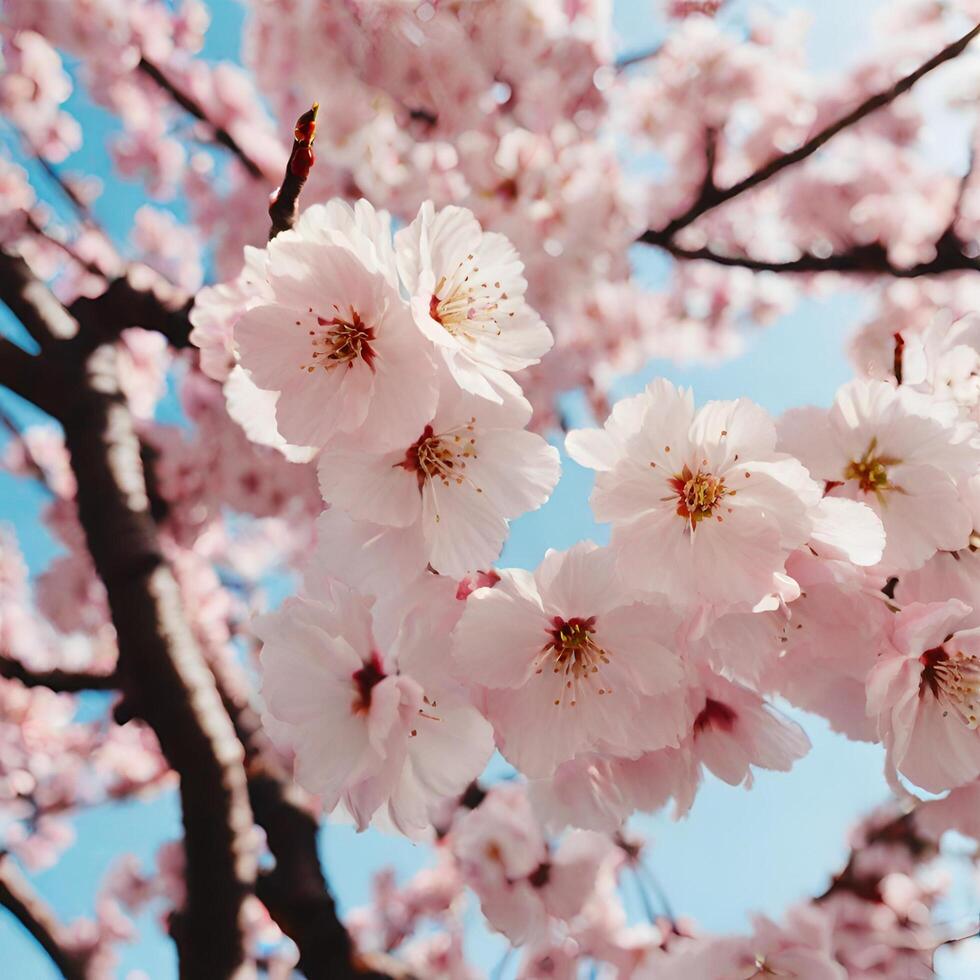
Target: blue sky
[738,852]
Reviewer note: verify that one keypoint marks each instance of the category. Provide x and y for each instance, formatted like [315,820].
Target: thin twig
[872,259]
[285,201]
[192,106]
[705,202]
[19,898]
[62,681]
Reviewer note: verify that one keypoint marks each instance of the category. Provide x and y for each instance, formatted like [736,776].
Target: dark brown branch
[87,264]
[21,373]
[285,201]
[295,891]
[141,298]
[190,105]
[81,207]
[63,681]
[869,260]
[162,672]
[710,198]
[37,308]
[20,899]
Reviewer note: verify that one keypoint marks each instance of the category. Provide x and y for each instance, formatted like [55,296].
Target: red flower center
[365,680]
[441,457]
[715,714]
[341,340]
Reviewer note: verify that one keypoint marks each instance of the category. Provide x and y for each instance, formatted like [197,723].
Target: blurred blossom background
[738,852]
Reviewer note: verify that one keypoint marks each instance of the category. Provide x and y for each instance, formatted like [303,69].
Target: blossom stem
[190,105]
[285,201]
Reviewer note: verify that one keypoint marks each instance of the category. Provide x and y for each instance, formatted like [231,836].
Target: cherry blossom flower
[801,949]
[735,729]
[599,791]
[886,448]
[366,730]
[520,881]
[467,296]
[337,343]
[703,509]
[826,642]
[461,476]
[216,308]
[569,664]
[924,693]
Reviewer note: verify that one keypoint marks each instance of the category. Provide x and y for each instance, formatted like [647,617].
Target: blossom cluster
[824,557]
[370,398]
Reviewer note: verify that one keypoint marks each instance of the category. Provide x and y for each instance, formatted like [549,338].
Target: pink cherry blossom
[802,948]
[703,509]
[521,882]
[888,449]
[467,296]
[923,694]
[354,364]
[734,729]
[365,731]
[461,477]
[569,665]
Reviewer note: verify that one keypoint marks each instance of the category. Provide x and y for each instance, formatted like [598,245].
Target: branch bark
[20,899]
[285,201]
[162,672]
[21,373]
[161,669]
[951,255]
[868,260]
[62,681]
[141,298]
[30,300]
[295,891]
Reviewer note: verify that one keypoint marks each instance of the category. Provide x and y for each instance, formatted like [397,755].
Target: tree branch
[162,671]
[20,899]
[141,298]
[21,373]
[858,260]
[295,891]
[62,681]
[867,259]
[283,207]
[37,308]
[190,105]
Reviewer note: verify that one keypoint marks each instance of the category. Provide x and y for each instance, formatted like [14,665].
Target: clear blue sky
[738,852]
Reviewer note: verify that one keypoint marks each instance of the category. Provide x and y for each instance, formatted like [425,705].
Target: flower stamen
[341,340]
[464,307]
[575,656]
[698,494]
[954,681]
[442,457]
[871,471]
